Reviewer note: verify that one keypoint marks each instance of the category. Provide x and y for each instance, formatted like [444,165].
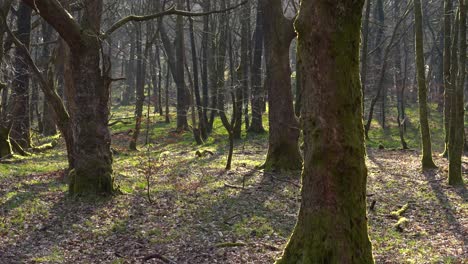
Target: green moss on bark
[283,157]
[5,145]
[95,179]
[332,223]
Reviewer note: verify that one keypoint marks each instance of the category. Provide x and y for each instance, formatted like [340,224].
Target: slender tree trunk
[140,86]
[183,94]
[218,63]
[283,148]
[196,83]
[160,76]
[365,45]
[168,83]
[257,88]
[48,122]
[399,83]
[448,10]
[242,71]
[427,161]
[381,78]
[20,131]
[332,222]
[129,92]
[204,62]
[457,111]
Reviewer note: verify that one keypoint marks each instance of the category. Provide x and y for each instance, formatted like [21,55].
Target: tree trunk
[243,71]
[140,86]
[48,122]
[20,131]
[399,84]
[5,145]
[448,6]
[457,111]
[129,92]
[183,94]
[332,222]
[283,148]
[365,45]
[204,62]
[427,162]
[196,83]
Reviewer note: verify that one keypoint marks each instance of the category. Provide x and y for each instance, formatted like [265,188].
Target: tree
[257,89]
[427,162]
[457,112]
[21,126]
[332,223]
[89,94]
[283,148]
[447,64]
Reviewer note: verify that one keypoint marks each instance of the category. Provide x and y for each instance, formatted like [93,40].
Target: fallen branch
[18,149]
[45,147]
[230,244]
[160,257]
[398,213]
[242,244]
[234,186]
[402,222]
[117,122]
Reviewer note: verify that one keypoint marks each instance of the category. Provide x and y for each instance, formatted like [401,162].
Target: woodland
[233,131]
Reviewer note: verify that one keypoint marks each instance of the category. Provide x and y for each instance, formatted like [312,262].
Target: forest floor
[203,214]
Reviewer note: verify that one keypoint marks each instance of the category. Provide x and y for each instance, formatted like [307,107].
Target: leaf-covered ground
[201,214]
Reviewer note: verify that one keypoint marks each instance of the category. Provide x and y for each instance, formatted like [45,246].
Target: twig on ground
[160,257]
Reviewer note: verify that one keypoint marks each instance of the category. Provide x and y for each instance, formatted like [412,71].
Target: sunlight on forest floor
[201,215]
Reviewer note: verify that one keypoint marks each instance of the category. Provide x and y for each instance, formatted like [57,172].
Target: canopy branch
[171,11]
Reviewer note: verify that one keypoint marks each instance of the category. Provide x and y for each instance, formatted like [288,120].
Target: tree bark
[365,45]
[332,222]
[448,6]
[196,83]
[283,148]
[5,145]
[183,94]
[427,162]
[20,131]
[457,111]
[140,86]
[88,95]
[48,122]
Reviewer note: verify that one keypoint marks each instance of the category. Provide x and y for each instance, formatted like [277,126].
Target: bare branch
[171,11]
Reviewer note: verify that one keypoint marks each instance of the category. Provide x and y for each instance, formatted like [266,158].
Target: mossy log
[399,212]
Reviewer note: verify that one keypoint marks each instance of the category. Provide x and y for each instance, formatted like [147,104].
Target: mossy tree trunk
[89,115]
[283,148]
[332,223]
[5,146]
[427,162]
[88,96]
[457,112]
